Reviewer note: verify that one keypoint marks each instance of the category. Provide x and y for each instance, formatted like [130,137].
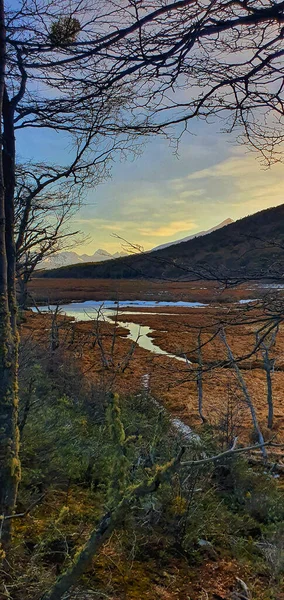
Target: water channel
[109,311]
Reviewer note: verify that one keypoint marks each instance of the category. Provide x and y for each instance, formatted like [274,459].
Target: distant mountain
[191,237]
[62,259]
[252,247]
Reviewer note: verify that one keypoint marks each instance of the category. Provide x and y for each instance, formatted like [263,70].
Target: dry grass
[172,382]
[65,290]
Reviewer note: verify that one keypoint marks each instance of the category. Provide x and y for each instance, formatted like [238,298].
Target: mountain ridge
[194,235]
[252,247]
[69,257]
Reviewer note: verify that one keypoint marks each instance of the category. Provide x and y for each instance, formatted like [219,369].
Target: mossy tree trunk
[9,442]
[109,522]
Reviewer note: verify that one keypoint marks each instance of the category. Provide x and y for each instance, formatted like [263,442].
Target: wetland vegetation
[100,413]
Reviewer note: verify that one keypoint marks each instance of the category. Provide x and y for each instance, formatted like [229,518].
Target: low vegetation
[206,530]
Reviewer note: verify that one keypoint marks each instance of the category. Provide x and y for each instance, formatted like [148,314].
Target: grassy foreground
[195,537]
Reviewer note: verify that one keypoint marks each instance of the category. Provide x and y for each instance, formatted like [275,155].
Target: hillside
[250,247]
[191,237]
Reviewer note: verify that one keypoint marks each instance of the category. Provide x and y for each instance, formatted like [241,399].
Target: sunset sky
[158,197]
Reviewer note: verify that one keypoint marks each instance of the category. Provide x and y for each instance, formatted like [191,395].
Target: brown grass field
[173,382]
[65,290]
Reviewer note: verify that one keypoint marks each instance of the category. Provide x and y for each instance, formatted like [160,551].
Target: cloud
[113,227]
[238,167]
[179,202]
[102,224]
[167,230]
[168,201]
[237,182]
[192,193]
[232,167]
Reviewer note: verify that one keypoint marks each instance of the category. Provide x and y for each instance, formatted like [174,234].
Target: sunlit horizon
[163,195]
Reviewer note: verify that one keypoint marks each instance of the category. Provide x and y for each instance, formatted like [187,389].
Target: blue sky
[160,197]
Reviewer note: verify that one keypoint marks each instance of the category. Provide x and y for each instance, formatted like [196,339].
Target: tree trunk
[268,366]
[28,400]
[68,579]
[9,444]
[106,526]
[9,182]
[247,397]
[200,380]
[22,291]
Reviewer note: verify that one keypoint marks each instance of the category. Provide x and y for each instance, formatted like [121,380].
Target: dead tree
[47,230]
[269,364]
[246,393]
[199,378]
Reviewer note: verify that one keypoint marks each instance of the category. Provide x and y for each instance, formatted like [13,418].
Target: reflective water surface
[109,311]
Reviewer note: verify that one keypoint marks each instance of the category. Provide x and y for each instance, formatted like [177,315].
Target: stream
[108,310]
[141,334]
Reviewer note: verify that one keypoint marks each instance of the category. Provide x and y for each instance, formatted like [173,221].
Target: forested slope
[252,246]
